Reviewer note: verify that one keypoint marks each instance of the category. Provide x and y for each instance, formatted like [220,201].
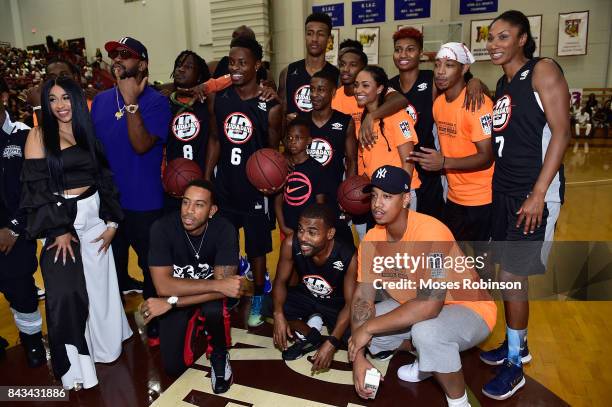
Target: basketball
[351,197]
[267,170]
[178,173]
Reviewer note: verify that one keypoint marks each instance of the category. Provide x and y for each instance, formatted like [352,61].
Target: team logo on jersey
[297,189]
[317,285]
[421,86]
[238,128]
[405,128]
[411,110]
[203,272]
[338,265]
[337,126]
[262,106]
[485,123]
[302,98]
[185,126]
[502,112]
[320,150]
[524,75]
[12,151]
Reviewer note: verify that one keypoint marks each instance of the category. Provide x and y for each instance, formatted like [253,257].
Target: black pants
[16,281]
[134,231]
[179,328]
[468,223]
[430,200]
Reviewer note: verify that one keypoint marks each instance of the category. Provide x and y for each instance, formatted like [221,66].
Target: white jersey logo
[185,126]
[320,150]
[337,126]
[485,123]
[12,151]
[317,286]
[405,128]
[502,112]
[338,265]
[238,128]
[262,106]
[302,98]
[203,272]
[421,86]
[411,110]
[524,75]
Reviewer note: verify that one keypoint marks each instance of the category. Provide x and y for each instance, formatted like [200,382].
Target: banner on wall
[407,9]
[335,11]
[369,38]
[479,31]
[477,6]
[368,11]
[331,54]
[573,34]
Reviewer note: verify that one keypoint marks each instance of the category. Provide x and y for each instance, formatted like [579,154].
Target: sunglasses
[124,54]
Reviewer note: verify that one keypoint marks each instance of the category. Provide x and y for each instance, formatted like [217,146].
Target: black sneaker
[383,355]
[131,286]
[34,349]
[298,349]
[221,376]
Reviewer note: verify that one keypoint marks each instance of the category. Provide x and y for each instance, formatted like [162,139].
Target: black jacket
[13,137]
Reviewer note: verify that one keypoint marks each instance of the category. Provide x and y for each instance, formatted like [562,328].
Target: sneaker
[40,292]
[383,355]
[255,318]
[267,283]
[411,373]
[508,380]
[244,268]
[132,286]
[298,349]
[221,376]
[496,357]
[35,352]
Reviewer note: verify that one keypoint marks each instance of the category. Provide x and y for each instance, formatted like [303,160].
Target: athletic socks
[460,402]
[516,341]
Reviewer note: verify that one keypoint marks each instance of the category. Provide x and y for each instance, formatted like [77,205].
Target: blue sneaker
[267,283]
[244,268]
[255,318]
[508,380]
[496,357]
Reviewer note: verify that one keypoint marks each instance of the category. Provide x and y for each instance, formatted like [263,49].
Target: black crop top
[50,214]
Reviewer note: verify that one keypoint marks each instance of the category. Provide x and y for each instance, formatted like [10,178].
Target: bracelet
[113,225]
[334,341]
[443,161]
[35,108]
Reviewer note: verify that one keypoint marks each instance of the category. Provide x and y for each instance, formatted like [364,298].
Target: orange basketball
[267,170]
[351,197]
[178,173]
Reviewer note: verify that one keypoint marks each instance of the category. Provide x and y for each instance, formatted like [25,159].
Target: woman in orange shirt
[395,134]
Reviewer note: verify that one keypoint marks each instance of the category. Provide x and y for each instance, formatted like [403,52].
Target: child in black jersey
[305,183]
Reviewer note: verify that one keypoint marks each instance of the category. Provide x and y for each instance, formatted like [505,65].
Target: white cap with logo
[456,51]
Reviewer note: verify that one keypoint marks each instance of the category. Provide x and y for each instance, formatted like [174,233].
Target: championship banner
[369,38]
[479,31]
[573,33]
[331,54]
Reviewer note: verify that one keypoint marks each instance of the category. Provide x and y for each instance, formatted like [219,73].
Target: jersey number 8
[188,151]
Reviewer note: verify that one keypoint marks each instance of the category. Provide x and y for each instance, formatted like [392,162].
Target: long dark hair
[203,72]
[82,130]
[518,19]
[381,78]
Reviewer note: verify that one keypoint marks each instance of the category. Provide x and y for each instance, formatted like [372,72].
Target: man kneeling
[434,325]
[193,259]
[326,268]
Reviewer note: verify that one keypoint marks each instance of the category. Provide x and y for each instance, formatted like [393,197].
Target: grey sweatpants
[439,340]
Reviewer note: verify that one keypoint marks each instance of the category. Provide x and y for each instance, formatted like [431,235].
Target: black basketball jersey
[222,69]
[188,133]
[298,85]
[325,282]
[304,183]
[520,137]
[242,129]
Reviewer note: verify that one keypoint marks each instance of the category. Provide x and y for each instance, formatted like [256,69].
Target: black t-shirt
[303,184]
[297,84]
[188,133]
[170,245]
[242,128]
[325,282]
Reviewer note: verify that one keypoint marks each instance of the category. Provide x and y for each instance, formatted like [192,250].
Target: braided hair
[203,72]
[380,77]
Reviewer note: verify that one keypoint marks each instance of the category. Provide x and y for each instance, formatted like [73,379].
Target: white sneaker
[411,373]
[315,321]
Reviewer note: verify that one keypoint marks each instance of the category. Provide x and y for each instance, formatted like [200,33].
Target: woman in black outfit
[70,201]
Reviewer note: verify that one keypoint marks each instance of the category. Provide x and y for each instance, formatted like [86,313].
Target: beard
[124,72]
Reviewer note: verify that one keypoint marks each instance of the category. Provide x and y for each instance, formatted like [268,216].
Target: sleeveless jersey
[188,134]
[325,282]
[242,129]
[520,137]
[297,85]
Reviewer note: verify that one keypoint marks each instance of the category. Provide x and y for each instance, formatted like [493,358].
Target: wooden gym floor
[568,340]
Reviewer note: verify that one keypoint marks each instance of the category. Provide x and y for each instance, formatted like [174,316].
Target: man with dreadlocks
[189,128]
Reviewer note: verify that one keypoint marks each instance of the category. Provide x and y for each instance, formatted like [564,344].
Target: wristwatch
[13,233]
[173,301]
[113,225]
[131,108]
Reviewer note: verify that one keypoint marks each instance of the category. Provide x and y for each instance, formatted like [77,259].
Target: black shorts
[521,254]
[430,195]
[300,305]
[257,233]
[468,223]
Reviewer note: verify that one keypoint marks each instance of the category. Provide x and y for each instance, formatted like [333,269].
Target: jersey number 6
[235,157]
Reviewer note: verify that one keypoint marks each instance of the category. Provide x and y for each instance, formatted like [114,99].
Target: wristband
[443,161]
[113,225]
[334,341]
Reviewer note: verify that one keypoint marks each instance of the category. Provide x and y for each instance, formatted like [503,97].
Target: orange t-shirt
[420,228]
[35,119]
[458,130]
[347,105]
[398,130]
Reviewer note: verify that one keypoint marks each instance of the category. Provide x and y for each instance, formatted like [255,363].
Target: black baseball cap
[393,180]
[130,43]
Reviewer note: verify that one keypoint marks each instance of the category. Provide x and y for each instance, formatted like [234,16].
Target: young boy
[305,184]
